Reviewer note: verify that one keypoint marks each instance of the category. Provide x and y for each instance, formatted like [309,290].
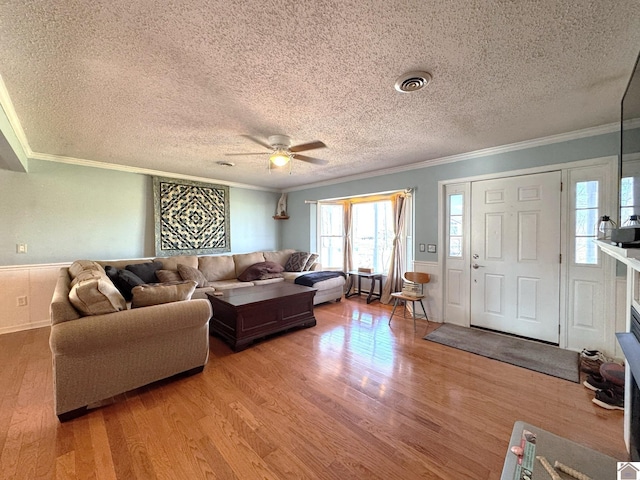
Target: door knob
[476,266]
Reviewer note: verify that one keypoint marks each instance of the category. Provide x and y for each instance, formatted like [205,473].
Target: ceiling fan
[282,152]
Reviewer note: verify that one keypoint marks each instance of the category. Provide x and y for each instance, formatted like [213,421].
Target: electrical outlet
[22,301]
[21,248]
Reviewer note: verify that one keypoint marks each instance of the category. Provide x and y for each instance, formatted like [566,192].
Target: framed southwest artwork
[191,218]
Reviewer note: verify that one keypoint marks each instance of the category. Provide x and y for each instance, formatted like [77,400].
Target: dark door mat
[528,354]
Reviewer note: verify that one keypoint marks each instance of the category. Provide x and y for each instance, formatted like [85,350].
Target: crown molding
[512,147]
[141,171]
[10,112]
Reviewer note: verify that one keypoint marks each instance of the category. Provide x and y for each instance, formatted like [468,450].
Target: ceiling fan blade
[317,161]
[307,146]
[258,141]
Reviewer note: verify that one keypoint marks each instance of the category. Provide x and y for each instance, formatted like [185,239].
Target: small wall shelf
[281,217]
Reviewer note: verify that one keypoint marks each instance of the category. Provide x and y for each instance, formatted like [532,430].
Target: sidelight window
[586,222]
[455,209]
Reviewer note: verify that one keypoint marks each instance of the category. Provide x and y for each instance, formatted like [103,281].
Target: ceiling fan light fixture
[280,158]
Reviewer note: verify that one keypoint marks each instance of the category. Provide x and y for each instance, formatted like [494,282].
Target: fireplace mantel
[628,256]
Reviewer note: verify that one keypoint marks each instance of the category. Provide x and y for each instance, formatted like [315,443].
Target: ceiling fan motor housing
[280,142]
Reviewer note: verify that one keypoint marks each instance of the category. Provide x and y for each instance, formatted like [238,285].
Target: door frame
[611,201]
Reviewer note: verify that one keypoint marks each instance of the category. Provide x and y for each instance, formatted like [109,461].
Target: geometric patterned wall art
[191,218]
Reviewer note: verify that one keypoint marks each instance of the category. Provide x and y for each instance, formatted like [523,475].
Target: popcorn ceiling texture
[172,86]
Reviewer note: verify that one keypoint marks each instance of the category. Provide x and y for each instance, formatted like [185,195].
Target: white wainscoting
[34,282]
[433,289]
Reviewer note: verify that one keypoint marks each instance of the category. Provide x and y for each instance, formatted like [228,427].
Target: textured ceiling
[174,86]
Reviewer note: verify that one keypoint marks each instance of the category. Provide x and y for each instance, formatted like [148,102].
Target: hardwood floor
[349,398]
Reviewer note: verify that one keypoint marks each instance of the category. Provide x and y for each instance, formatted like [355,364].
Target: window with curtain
[371,234]
[331,233]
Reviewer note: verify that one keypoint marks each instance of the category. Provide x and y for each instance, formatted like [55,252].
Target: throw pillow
[261,271]
[278,256]
[190,273]
[92,293]
[124,280]
[297,261]
[311,262]
[166,276]
[146,271]
[80,266]
[147,295]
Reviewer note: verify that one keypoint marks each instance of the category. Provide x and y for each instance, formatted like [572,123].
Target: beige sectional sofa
[103,346]
[221,272]
[98,356]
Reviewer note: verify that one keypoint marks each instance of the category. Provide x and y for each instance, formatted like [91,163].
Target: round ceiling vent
[412,81]
[224,163]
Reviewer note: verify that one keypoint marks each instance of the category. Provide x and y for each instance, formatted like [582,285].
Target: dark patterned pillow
[261,271]
[190,273]
[297,261]
[145,271]
[166,276]
[124,280]
[311,262]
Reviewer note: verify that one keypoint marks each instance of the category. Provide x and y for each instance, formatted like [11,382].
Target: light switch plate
[422,247]
[431,248]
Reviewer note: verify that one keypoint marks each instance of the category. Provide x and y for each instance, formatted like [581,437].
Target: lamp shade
[280,158]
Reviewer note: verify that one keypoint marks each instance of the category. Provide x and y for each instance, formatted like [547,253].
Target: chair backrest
[417,277]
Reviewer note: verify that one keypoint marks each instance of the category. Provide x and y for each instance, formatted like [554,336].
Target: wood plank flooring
[351,398]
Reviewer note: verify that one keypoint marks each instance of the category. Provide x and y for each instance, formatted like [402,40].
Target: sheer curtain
[397,262]
[347,261]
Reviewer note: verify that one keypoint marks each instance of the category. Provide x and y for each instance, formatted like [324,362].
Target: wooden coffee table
[243,315]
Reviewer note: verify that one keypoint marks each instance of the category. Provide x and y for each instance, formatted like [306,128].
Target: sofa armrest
[98,332]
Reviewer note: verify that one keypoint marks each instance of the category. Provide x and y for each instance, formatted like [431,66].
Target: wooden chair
[412,291]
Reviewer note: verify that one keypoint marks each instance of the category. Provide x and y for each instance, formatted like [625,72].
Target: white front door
[515,255]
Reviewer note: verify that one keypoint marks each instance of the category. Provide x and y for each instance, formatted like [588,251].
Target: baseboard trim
[22,328]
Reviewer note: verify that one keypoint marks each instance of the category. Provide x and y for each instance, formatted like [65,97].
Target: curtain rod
[406,191]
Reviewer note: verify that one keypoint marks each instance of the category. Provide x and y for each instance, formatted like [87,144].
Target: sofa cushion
[124,280]
[81,265]
[92,293]
[190,273]
[166,276]
[171,263]
[311,262]
[245,260]
[217,267]
[147,295]
[231,283]
[280,256]
[146,271]
[297,261]
[261,271]
[267,281]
